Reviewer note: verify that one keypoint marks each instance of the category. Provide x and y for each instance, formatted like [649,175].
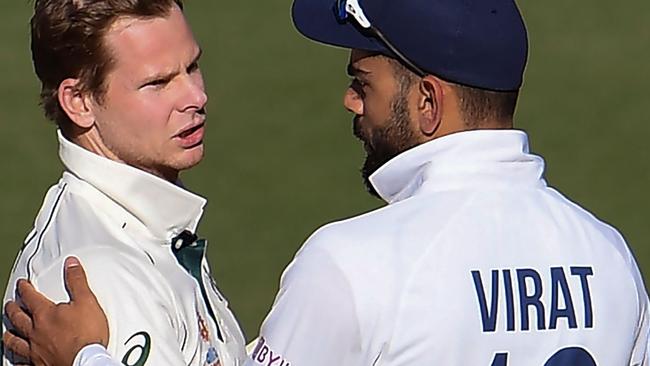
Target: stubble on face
[384,143]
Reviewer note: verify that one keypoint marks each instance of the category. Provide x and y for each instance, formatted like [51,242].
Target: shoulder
[133,294]
[561,205]
[138,302]
[70,223]
[75,217]
[374,253]
[605,242]
[111,273]
[403,228]
[71,208]
[603,234]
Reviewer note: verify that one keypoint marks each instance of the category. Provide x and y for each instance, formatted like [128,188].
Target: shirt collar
[164,208]
[463,159]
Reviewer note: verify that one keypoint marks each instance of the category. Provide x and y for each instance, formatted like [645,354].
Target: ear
[430,104]
[76,104]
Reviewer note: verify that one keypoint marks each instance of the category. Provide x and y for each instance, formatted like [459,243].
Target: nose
[352,101]
[194,96]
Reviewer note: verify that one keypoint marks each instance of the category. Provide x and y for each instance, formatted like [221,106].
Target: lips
[191,136]
[190,131]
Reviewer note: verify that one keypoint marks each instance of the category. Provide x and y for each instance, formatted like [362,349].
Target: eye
[358,86]
[157,83]
[360,82]
[194,66]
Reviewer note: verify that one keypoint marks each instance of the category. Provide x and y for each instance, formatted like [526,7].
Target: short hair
[476,105]
[67,41]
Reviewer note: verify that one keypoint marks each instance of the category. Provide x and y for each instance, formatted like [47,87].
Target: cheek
[136,120]
[147,110]
[376,110]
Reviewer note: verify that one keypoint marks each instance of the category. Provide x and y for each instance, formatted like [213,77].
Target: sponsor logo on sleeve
[264,355]
[138,354]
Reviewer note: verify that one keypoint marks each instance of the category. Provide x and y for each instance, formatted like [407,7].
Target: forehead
[142,43]
[368,62]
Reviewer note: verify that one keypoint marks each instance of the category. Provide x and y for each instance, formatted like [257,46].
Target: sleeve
[313,321]
[641,350]
[143,324]
[94,355]
[640,353]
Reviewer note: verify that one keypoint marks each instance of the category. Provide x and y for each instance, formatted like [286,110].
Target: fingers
[16,345]
[76,283]
[20,320]
[33,300]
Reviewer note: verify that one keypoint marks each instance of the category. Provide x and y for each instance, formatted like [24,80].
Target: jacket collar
[165,209]
[477,158]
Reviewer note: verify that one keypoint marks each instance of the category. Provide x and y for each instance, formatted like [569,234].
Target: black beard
[386,142]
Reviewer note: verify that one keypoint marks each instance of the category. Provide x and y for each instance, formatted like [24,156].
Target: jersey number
[572,356]
[142,348]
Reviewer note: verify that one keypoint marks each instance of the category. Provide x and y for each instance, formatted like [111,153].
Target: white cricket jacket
[119,221]
[474,261]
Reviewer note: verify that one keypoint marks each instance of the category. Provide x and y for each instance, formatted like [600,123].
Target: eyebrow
[355,71]
[172,74]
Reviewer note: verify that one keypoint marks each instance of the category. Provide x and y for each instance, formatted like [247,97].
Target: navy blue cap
[478,43]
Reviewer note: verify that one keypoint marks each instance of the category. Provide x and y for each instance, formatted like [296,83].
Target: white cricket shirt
[119,221]
[475,261]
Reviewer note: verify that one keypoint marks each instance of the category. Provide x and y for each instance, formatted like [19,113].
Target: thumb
[76,283]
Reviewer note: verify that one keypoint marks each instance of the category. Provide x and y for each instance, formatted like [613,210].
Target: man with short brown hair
[121,80]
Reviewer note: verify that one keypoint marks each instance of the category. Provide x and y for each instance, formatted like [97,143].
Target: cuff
[94,355]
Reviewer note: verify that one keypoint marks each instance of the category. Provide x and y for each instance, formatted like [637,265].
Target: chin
[189,158]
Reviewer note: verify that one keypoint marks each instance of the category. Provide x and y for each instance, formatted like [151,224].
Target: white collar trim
[166,209]
[477,157]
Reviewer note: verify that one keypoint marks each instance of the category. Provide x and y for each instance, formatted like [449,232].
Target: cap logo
[343,8]
[352,7]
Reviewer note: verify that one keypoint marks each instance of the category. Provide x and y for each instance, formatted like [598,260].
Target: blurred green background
[281,160]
